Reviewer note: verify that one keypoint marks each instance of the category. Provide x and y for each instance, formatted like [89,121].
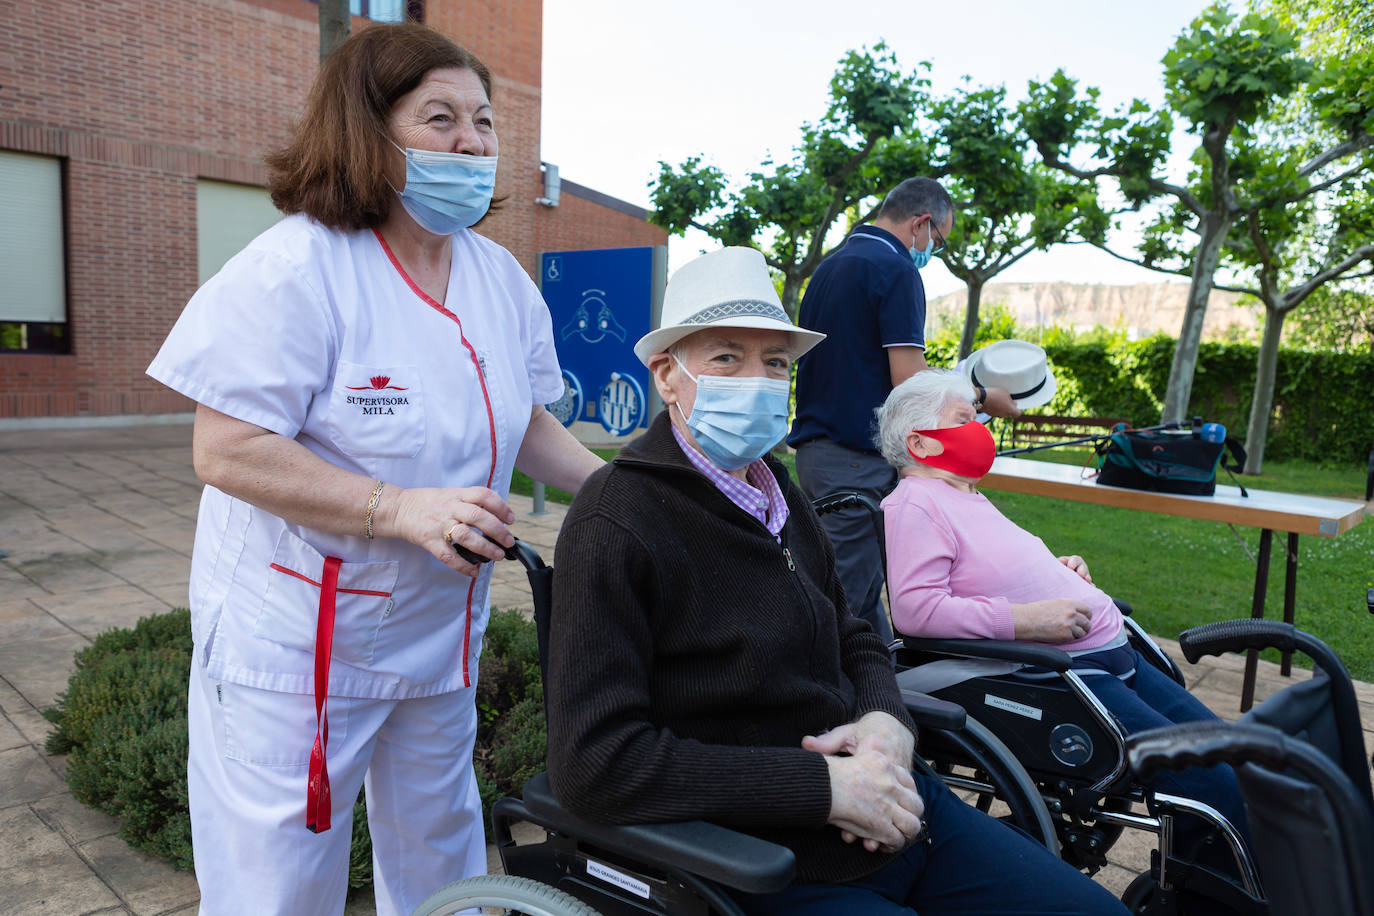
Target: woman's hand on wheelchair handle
[1054,621]
[874,800]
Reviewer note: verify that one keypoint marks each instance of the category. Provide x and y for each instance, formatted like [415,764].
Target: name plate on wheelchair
[1021,709]
[619,879]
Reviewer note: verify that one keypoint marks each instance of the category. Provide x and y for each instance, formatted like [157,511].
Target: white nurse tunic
[320,336]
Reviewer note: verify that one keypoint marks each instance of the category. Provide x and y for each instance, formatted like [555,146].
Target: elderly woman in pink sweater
[958,568]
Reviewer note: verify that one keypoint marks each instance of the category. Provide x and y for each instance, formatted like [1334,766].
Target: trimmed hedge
[122,723]
[1323,410]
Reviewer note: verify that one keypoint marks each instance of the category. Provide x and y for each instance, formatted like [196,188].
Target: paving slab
[22,619]
[148,886]
[41,875]
[26,776]
[39,668]
[10,736]
[76,822]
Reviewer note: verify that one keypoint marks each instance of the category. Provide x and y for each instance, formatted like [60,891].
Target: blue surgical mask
[737,420]
[446,192]
[922,258]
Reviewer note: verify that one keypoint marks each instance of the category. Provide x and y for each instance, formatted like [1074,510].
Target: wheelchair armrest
[932,712]
[1124,607]
[1000,649]
[737,860]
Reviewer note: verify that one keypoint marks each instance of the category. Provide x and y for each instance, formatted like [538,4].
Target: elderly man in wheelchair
[959,570]
[702,663]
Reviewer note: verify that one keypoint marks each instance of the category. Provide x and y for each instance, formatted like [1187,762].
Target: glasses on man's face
[939,239]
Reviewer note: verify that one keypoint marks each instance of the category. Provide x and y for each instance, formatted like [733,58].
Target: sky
[627,83]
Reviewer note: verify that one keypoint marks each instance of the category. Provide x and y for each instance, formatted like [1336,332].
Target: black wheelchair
[692,868]
[1071,747]
[1299,759]
[1074,750]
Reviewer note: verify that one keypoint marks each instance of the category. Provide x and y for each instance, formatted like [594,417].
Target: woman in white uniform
[367,374]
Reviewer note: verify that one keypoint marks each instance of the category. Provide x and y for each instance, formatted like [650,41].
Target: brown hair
[334,167]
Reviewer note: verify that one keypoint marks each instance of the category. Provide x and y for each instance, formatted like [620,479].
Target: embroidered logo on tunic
[379,383]
[378,405]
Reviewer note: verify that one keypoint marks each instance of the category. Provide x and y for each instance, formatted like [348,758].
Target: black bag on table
[1166,461]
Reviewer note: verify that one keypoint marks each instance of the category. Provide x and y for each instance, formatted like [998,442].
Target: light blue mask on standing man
[446,192]
[922,258]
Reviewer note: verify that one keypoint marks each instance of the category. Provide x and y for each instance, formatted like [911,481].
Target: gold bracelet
[372,507]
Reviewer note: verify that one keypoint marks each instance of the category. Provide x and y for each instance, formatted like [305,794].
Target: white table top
[1261,509]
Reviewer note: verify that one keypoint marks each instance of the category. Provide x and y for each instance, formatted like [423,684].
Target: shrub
[510,709]
[122,723]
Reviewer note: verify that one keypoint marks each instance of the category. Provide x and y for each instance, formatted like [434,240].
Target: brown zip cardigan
[690,652]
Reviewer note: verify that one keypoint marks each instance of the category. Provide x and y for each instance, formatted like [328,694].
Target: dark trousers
[1151,699]
[974,864]
[823,467]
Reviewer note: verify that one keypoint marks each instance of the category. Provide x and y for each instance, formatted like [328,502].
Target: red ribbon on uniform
[317,806]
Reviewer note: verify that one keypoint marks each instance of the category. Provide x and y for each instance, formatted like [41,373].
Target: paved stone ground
[98,527]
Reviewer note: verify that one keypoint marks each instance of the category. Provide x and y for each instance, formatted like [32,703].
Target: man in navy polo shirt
[867,298]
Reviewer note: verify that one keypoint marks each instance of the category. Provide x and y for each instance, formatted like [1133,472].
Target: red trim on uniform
[346,591]
[317,803]
[491,417]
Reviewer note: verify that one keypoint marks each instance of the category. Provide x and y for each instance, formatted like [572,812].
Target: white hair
[916,404]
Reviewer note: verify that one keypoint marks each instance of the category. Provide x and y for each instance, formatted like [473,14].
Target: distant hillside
[1141,309]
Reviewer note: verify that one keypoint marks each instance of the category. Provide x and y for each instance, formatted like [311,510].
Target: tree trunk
[791,294]
[334,25]
[975,296]
[1262,402]
[1205,257]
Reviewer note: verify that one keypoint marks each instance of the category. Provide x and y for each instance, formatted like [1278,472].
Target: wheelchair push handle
[1238,636]
[527,555]
[1204,744]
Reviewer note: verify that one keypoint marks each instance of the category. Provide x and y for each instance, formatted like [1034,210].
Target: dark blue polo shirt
[865,297]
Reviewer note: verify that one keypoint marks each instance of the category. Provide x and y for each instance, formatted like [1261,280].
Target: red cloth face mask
[969,449]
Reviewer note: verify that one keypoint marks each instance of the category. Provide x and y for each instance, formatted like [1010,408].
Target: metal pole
[539,499]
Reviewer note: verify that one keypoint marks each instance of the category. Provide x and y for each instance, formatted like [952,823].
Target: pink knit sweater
[955,565]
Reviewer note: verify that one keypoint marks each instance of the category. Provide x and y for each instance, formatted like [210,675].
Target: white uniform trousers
[249,757]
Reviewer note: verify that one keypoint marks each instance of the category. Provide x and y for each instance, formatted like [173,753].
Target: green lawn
[1181,572]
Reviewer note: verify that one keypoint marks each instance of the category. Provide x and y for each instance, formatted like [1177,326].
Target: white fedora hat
[729,288]
[1016,365]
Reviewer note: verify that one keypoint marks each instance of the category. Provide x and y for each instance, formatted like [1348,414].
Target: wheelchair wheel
[974,760]
[502,894]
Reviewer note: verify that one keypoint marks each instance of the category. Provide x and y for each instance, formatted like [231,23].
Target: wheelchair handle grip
[999,649]
[1237,636]
[527,555]
[1205,744]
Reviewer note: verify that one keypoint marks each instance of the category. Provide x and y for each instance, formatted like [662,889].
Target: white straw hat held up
[729,288]
[1016,365]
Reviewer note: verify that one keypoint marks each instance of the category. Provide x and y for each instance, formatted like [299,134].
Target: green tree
[787,209]
[1338,318]
[1224,74]
[1303,205]
[1009,204]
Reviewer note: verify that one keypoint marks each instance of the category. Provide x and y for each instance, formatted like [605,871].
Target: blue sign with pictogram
[602,301]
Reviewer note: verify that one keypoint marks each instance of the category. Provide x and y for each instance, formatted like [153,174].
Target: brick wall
[139,101]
